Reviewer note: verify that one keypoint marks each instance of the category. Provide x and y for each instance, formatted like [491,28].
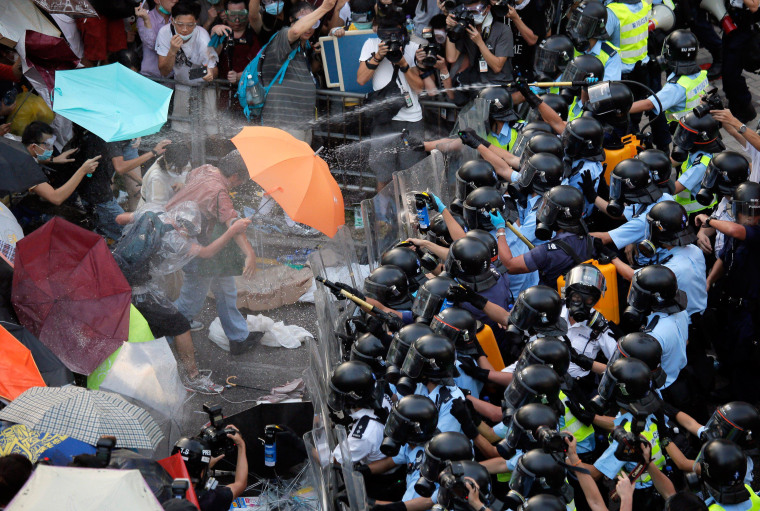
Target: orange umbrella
[18,371]
[292,174]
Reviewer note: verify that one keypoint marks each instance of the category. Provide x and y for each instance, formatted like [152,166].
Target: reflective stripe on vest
[512,140]
[634,30]
[684,198]
[694,89]
[608,50]
[572,425]
[571,113]
[657,457]
[753,499]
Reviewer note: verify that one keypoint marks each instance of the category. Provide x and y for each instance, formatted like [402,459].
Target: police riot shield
[428,175]
[315,379]
[353,480]
[474,115]
[319,453]
[380,219]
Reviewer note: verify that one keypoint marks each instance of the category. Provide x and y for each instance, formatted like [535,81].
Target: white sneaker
[202,384]
[195,326]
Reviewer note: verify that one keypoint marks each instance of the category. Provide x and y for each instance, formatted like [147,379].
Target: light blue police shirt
[613,29]
[672,96]
[634,230]
[691,178]
[609,465]
[671,332]
[446,421]
[688,263]
[613,69]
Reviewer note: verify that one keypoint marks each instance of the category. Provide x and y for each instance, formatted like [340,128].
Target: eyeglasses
[49,143]
[237,15]
[184,25]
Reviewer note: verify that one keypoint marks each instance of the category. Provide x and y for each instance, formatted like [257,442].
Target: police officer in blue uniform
[736,277]
[538,174]
[583,140]
[723,465]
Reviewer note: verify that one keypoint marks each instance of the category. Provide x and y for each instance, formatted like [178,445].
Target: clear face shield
[685,137]
[461,338]
[720,427]
[527,172]
[397,351]
[339,400]
[415,362]
[547,62]
[749,210]
[581,27]
[427,304]
[522,481]
[380,292]
[600,100]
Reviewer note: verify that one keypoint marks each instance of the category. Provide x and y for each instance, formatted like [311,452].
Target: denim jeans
[193,295]
[105,219]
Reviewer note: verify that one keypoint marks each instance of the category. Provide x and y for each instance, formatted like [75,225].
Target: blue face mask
[45,155]
[363,26]
[274,8]
[163,10]
[186,37]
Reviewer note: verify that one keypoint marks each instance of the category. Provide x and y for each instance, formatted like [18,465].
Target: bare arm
[514,265]
[642,105]
[552,117]
[214,247]
[245,246]
[623,269]
[254,16]
[303,25]
[731,229]
[241,468]
[716,273]
[381,466]
[604,236]
[487,410]
[58,195]
[525,31]
[123,166]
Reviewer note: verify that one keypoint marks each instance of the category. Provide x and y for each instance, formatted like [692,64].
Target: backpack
[134,250]
[255,83]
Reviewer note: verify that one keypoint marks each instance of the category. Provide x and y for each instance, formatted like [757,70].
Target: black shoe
[745,113]
[238,348]
[716,68]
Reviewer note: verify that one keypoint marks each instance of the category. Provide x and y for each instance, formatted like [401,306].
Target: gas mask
[584,286]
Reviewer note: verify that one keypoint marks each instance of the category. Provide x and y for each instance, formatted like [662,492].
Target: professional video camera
[629,447]
[395,39]
[463,19]
[432,48]
[710,101]
[215,434]
[500,8]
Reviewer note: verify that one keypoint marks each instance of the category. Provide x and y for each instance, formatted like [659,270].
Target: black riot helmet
[544,502]
[537,472]
[541,172]
[197,454]
[654,288]
[352,385]
[443,447]
[431,296]
[407,259]
[524,429]
[659,165]
[696,134]
[561,208]
[529,131]
[679,52]
[480,202]
[644,347]
[499,104]
[556,103]
[631,183]
[584,286]
[472,175]
[609,101]
[746,202]
[582,67]
[626,382]
[542,143]
[549,351]
[733,421]
[723,467]
[370,350]
[438,232]
[533,384]
[489,240]
[453,491]
[400,344]
[459,326]
[583,139]
[537,311]
[724,173]
[552,56]
[431,358]
[469,261]
[389,286]
[413,419]
[587,21]
[667,224]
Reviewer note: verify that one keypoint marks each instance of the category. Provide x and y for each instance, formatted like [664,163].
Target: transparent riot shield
[474,116]
[353,480]
[315,380]
[381,227]
[428,175]
[319,453]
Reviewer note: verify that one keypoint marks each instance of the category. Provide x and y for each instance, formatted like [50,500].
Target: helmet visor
[600,99]
[607,385]
[414,363]
[380,292]
[749,209]
[463,187]
[548,212]
[458,336]
[517,393]
[548,62]
[521,481]
[523,316]
[580,26]
[430,468]
[720,427]
[527,171]
[427,304]
[522,140]
[685,137]
[339,400]
[397,351]
[527,358]
[639,298]
[584,277]
[711,176]
[397,427]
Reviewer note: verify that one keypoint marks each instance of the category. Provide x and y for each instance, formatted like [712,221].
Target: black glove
[348,288]
[581,360]
[587,186]
[470,138]
[583,415]
[362,469]
[394,323]
[376,327]
[528,94]
[475,416]
[462,293]
[470,368]
[462,414]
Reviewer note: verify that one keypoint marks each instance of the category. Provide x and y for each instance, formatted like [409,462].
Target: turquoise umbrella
[111,101]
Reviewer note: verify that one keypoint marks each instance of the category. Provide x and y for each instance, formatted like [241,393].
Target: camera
[463,19]
[629,444]
[500,8]
[550,440]
[710,101]
[179,488]
[394,39]
[215,434]
[432,48]
[104,448]
[9,97]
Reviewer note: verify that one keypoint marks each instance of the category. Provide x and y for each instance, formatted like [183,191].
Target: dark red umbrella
[69,292]
[48,54]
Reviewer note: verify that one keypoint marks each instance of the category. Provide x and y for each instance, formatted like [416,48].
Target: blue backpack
[252,79]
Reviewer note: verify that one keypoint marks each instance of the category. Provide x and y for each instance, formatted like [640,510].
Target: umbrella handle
[230,383]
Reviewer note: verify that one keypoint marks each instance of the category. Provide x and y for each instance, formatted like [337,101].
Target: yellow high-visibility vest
[634,30]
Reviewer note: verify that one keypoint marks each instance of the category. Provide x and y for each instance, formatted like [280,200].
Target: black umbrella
[50,366]
[18,170]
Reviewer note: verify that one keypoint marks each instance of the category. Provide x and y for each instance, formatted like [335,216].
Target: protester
[237,43]
[149,23]
[15,469]
[166,176]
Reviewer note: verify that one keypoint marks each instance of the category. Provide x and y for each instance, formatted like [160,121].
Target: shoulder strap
[569,251]
[652,324]
[608,49]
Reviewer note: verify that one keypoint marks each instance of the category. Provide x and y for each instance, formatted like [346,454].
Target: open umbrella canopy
[85,415]
[59,449]
[111,101]
[84,488]
[73,8]
[294,175]
[18,170]
[177,469]
[18,372]
[158,479]
[51,368]
[18,16]
[69,292]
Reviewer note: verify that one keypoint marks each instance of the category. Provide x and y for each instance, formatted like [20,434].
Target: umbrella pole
[231,383]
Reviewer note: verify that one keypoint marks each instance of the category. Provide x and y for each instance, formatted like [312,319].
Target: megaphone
[717,9]
[662,17]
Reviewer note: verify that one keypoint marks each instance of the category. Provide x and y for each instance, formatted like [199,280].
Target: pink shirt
[207,187]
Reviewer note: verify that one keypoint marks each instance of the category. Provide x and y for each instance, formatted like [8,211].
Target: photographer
[430,60]
[748,139]
[527,19]
[197,456]
[487,44]
[391,54]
